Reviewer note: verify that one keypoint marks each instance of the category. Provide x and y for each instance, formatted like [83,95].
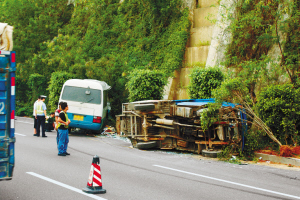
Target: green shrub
[146,85]
[56,82]
[23,92]
[24,109]
[209,115]
[203,81]
[255,140]
[279,108]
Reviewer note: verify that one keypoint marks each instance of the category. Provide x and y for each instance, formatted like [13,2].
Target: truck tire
[211,154]
[146,145]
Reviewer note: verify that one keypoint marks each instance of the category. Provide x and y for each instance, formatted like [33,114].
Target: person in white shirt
[35,120]
[40,115]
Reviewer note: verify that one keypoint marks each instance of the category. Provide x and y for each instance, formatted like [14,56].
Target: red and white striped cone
[94,184]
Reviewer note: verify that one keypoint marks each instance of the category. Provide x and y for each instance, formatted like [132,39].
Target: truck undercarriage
[175,124]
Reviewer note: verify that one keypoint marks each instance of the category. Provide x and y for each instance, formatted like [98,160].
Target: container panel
[7,110]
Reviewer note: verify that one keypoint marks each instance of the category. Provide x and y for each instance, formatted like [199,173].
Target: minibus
[88,103]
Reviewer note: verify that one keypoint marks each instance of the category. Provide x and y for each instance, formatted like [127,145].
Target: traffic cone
[94,184]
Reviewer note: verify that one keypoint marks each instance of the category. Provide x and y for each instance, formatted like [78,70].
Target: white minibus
[87,101]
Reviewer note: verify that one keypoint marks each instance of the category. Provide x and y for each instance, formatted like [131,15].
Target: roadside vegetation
[94,39]
[266,83]
[136,45]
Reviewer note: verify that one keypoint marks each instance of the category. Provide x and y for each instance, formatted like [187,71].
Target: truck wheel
[211,154]
[146,145]
[199,150]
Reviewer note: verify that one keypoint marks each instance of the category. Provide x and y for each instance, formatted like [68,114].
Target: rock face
[71,2]
[221,35]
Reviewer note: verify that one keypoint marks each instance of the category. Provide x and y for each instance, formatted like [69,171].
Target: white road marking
[234,183]
[20,134]
[65,186]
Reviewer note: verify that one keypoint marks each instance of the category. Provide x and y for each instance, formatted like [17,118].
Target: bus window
[83,95]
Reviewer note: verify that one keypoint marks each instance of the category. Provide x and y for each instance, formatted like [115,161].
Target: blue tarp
[200,102]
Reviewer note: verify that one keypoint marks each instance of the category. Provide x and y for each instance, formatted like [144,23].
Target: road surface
[129,173]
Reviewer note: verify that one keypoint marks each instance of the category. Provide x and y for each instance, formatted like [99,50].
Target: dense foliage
[279,107]
[146,85]
[253,35]
[203,81]
[291,49]
[95,39]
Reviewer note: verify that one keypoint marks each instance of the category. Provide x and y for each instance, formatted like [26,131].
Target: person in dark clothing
[49,123]
[63,132]
[57,111]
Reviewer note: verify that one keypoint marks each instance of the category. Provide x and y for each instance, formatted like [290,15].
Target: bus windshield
[82,95]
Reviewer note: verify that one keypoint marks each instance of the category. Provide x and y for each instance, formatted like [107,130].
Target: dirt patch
[285,151]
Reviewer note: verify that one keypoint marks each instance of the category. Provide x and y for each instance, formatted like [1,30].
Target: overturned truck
[175,124]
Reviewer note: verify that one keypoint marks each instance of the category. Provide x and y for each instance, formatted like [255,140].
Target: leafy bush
[232,90]
[279,107]
[146,85]
[56,82]
[254,140]
[24,109]
[22,93]
[203,81]
[209,115]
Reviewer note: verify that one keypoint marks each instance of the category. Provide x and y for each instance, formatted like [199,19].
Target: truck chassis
[176,125]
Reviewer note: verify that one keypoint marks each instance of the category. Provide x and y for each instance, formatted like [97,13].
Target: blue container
[7,114]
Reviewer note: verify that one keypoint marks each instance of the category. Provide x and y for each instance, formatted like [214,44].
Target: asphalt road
[129,173]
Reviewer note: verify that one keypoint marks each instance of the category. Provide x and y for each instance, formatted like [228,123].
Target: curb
[278,159]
